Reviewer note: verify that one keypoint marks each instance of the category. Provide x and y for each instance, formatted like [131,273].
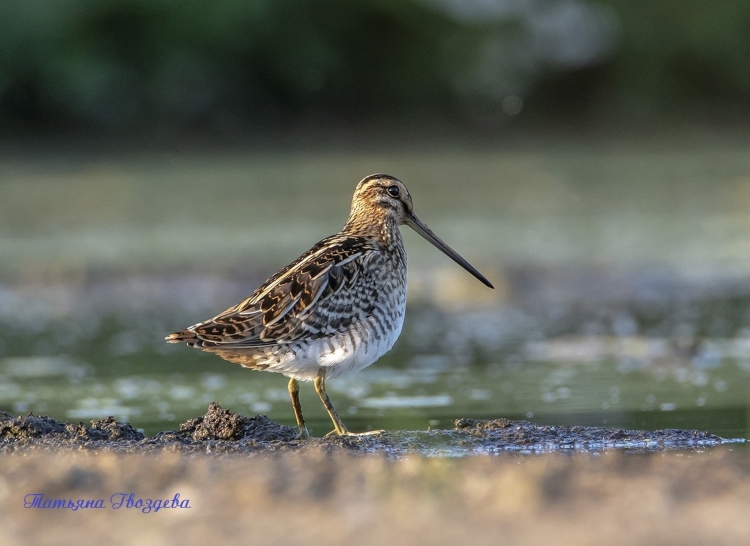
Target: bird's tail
[186,336]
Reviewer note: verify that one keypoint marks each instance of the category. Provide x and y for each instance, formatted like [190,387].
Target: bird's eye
[393,191]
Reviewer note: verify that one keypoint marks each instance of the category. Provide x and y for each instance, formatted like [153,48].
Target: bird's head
[380,200]
[380,197]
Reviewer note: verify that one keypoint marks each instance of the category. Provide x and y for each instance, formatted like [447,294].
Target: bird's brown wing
[324,291]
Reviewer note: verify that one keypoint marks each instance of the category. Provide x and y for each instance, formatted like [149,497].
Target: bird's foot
[344,433]
[303,434]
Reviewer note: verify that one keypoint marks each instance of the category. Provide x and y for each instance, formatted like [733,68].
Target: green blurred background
[229,66]
[158,160]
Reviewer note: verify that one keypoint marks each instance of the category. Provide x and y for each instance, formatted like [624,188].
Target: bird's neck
[379,225]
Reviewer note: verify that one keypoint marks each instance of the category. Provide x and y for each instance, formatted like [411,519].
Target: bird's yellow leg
[338,426]
[320,387]
[294,395]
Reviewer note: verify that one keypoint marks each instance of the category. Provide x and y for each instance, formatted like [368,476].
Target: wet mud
[221,478]
[220,431]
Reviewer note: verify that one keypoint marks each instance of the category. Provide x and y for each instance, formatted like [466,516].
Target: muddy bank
[64,483]
[324,496]
[221,431]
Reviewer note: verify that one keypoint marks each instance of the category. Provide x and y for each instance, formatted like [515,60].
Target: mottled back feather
[323,292]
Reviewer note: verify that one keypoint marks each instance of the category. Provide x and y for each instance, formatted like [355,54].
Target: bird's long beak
[416,224]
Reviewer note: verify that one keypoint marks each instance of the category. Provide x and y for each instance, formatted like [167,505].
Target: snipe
[334,310]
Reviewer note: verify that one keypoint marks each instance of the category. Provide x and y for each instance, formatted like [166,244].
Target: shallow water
[622,274]
[624,368]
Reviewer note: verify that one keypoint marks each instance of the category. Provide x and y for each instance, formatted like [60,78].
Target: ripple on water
[44,366]
[98,408]
[407,401]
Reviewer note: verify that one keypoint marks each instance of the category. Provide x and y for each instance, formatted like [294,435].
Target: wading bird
[336,309]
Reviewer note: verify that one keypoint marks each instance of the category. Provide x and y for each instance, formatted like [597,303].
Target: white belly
[350,351]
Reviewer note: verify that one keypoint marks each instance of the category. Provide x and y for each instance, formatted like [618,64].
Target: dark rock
[221,424]
[505,434]
[113,430]
[483,424]
[28,426]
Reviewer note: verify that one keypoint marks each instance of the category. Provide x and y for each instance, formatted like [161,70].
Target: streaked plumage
[336,309]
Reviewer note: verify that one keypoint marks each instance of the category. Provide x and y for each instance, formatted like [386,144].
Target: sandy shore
[323,496]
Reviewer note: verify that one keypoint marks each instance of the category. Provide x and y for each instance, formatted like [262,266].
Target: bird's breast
[361,344]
